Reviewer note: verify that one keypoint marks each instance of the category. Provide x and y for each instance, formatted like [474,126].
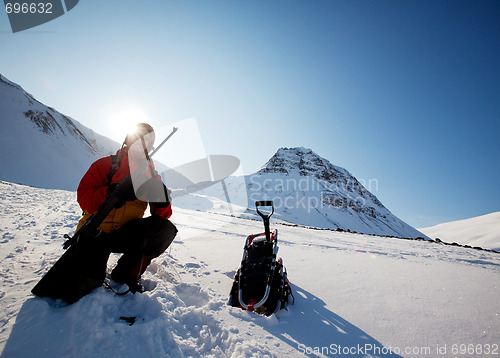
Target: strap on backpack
[115,164]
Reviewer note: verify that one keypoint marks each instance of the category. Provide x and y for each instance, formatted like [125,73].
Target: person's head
[144,131]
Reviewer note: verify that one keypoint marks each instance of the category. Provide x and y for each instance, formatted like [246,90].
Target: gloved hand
[128,195]
[154,192]
[165,200]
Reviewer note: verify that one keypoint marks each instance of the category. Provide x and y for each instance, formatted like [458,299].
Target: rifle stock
[90,227]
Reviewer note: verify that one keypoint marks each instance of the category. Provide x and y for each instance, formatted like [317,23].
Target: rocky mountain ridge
[41,146]
[307,189]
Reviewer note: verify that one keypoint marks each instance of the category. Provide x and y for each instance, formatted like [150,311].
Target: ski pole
[164,141]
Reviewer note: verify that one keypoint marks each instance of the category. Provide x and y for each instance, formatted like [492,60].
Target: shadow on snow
[316,331]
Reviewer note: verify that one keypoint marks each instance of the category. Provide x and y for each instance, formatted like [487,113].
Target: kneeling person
[125,230]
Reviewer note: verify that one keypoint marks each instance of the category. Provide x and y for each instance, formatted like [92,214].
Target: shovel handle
[264,203]
[264,216]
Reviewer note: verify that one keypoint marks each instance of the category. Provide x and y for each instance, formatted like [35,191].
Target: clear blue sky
[404,92]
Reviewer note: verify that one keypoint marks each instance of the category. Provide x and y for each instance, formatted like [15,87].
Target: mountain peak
[9,83]
[303,161]
[307,189]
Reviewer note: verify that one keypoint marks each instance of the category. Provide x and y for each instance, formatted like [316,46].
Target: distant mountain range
[44,148]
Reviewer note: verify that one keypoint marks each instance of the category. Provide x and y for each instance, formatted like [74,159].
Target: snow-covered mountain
[355,295]
[482,231]
[308,190]
[42,147]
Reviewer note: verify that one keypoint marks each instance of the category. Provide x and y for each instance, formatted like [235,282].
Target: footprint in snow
[192,295]
[192,265]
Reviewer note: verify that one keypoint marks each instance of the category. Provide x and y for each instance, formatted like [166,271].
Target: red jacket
[93,190]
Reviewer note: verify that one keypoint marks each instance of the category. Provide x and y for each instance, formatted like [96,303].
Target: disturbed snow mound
[176,319]
[351,291]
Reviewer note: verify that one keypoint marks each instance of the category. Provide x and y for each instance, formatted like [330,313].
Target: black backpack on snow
[261,282]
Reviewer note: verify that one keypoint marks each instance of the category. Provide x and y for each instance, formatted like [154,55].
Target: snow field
[480,231]
[351,291]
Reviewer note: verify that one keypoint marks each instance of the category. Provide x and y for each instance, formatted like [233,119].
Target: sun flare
[124,121]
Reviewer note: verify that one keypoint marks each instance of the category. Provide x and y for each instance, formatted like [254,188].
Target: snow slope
[371,295]
[482,231]
[42,147]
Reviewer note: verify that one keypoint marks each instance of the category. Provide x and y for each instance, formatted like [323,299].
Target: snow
[41,146]
[369,294]
[482,231]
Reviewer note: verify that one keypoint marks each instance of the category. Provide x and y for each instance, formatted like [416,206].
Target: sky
[403,94]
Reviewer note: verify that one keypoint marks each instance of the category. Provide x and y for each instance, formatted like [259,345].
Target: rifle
[89,228]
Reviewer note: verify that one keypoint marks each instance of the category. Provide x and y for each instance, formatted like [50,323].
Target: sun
[124,121]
